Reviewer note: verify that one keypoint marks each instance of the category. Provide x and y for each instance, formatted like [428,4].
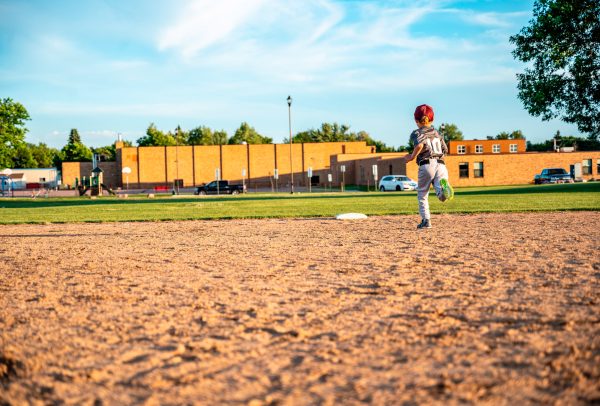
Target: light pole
[443,130]
[177,158]
[289,102]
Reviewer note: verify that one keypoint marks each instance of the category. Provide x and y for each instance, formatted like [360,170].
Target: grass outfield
[579,196]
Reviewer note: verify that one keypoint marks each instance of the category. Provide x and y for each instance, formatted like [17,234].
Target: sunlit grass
[583,196]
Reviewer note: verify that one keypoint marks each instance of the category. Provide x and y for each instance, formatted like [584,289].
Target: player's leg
[442,187]
[424,183]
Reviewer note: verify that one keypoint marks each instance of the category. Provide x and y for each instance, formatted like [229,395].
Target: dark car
[553,175]
[222,187]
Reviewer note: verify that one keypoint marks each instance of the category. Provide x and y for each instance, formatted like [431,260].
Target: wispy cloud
[323,41]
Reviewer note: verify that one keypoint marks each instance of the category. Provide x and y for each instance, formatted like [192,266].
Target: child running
[429,150]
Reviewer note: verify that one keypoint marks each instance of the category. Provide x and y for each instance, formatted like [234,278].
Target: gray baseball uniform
[431,165]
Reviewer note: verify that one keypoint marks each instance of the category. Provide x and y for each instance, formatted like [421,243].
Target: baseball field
[264,299]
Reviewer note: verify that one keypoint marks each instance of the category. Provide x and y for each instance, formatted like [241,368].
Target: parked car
[397,182]
[222,187]
[553,175]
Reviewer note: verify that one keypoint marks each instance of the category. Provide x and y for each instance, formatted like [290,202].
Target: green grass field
[579,196]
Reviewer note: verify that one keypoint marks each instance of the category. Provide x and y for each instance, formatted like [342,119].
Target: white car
[397,182]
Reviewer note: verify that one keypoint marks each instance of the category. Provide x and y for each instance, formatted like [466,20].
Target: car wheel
[202,192]
[235,192]
[382,189]
[398,188]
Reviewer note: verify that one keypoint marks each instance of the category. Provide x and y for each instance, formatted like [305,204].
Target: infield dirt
[490,308]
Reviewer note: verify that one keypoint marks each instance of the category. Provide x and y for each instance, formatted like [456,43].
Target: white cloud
[206,22]
[333,43]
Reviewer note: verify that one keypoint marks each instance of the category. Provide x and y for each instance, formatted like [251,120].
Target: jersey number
[435,146]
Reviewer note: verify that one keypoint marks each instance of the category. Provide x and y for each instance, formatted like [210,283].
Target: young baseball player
[429,150]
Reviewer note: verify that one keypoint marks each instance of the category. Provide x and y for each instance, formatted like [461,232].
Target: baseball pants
[428,174]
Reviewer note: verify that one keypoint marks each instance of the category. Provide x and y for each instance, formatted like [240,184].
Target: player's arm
[415,153]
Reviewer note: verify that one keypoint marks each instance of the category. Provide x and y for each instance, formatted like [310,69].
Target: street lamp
[443,131]
[178,129]
[289,102]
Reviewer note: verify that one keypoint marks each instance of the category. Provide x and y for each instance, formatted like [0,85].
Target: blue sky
[113,66]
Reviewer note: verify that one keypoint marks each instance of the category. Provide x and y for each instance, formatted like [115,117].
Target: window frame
[496,148]
[478,172]
[463,172]
[513,148]
[461,149]
[586,169]
[479,149]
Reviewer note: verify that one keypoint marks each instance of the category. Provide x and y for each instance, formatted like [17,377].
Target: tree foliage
[562,48]
[334,132]
[205,136]
[74,137]
[246,133]
[450,132]
[23,157]
[504,135]
[75,151]
[12,130]
[44,156]
[155,137]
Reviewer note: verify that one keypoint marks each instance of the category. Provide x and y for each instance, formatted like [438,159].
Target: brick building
[470,163]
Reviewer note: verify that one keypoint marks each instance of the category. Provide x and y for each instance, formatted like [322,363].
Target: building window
[461,149]
[478,169]
[463,169]
[496,148]
[42,180]
[586,168]
[479,149]
[513,147]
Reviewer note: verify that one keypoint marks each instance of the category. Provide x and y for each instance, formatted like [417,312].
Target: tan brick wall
[262,164]
[208,158]
[72,170]
[129,158]
[152,166]
[283,162]
[510,169]
[234,160]
[179,165]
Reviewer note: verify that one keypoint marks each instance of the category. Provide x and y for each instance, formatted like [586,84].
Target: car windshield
[557,171]
[401,178]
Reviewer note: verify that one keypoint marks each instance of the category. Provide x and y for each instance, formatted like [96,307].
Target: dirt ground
[487,309]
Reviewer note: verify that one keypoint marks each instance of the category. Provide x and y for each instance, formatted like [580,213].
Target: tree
[44,156]
[504,135]
[180,136]
[220,137]
[74,137]
[75,151]
[516,135]
[12,130]
[249,135]
[450,132]
[334,132]
[155,137]
[23,157]
[562,47]
[200,136]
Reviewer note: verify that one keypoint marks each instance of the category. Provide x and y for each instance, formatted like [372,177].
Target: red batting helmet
[422,111]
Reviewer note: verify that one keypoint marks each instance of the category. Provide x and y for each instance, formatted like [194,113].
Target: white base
[350,216]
